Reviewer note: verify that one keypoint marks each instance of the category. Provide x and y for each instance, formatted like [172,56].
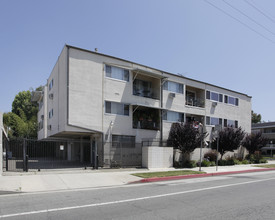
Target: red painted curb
[156,179]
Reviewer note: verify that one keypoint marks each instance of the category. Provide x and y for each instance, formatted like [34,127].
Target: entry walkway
[79,179]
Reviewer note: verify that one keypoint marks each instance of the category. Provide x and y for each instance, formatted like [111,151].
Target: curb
[156,179]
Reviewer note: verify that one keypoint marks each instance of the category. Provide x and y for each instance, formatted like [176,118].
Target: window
[40,105]
[116,108]
[173,87]
[117,73]
[142,88]
[231,123]
[51,84]
[51,113]
[214,96]
[231,100]
[40,125]
[123,141]
[173,116]
[213,121]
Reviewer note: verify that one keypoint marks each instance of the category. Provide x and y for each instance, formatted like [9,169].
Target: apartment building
[268,131]
[107,99]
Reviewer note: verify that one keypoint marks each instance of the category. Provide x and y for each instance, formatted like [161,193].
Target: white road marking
[129,200]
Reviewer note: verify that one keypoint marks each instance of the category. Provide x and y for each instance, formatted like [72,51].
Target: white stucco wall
[157,157]
[89,88]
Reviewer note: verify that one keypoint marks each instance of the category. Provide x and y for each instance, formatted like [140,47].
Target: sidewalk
[79,179]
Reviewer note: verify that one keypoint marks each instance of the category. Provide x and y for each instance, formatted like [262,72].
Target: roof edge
[105,55]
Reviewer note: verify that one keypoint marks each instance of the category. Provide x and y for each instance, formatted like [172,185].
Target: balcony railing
[195,102]
[146,124]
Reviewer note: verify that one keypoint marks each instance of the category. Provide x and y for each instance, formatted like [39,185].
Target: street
[240,196]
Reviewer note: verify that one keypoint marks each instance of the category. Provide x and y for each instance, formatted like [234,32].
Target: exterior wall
[81,88]
[157,157]
[85,90]
[42,115]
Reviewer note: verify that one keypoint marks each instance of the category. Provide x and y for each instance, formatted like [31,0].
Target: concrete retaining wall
[157,157]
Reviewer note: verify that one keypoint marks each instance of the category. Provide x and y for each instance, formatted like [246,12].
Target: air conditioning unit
[51,96]
[214,104]
[49,127]
[172,95]
[42,117]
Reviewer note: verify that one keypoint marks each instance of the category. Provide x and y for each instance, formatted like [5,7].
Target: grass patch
[167,173]
[266,166]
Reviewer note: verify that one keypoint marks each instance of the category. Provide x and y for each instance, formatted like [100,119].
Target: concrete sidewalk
[79,179]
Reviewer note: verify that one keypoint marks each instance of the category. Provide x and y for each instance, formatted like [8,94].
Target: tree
[184,137]
[255,118]
[229,140]
[254,142]
[22,103]
[22,121]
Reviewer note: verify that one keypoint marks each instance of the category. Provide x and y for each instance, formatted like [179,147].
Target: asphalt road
[242,196]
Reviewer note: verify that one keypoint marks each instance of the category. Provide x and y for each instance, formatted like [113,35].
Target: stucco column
[81,150]
[69,151]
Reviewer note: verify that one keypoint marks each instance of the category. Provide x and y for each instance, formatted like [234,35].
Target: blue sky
[228,43]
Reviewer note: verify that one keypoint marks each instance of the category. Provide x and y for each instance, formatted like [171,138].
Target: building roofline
[263,125]
[124,60]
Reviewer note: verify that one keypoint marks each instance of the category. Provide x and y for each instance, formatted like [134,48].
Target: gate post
[24,156]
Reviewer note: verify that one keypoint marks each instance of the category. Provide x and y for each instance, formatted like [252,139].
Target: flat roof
[105,55]
[263,125]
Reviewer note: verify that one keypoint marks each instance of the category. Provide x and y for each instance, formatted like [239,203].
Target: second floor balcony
[146,86]
[195,97]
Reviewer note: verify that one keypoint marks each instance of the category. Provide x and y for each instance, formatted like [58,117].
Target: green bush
[230,162]
[177,164]
[263,161]
[205,163]
[254,158]
[222,162]
[245,162]
[237,162]
[190,164]
[212,163]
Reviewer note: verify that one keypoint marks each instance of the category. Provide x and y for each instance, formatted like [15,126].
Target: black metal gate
[24,154]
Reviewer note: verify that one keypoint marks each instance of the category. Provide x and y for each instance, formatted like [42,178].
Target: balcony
[196,102]
[195,97]
[146,86]
[146,118]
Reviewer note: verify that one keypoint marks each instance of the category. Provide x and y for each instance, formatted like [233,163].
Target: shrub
[245,162]
[212,163]
[177,164]
[254,158]
[263,161]
[222,162]
[205,163]
[237,162]
[190,164]
[211,155]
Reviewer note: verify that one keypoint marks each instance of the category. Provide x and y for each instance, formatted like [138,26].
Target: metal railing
[195,102]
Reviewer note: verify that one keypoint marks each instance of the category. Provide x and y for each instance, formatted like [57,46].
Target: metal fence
[122,154]
[23,154]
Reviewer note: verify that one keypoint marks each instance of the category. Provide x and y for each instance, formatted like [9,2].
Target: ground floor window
[123,141]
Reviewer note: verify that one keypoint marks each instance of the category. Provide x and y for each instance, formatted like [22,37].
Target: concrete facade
[93,95]
[157,157]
